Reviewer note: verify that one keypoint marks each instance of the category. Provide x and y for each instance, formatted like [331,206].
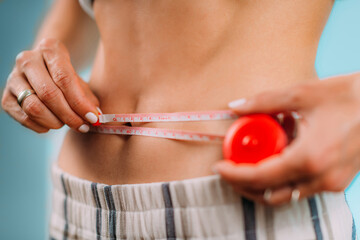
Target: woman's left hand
[325,155]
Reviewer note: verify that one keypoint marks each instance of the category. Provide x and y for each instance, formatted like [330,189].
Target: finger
[37,75]
[335,181]
[257,197]
[274,171]
[89,93]
[279,100]
[10,105]
[280,196]
[64,76]
[283,195]
[32,105]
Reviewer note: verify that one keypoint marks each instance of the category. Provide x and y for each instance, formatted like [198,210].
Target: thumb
[274,101]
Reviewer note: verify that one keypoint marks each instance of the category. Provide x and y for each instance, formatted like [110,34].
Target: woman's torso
[171,56]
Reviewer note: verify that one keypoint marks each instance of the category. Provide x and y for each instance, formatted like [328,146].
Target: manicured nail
[296,115]
[91,117]
[237,103]
[99,110]
[84,128]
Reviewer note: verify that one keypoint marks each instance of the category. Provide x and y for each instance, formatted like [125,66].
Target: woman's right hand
[62,97]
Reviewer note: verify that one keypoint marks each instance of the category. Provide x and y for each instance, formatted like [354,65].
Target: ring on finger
[24,94]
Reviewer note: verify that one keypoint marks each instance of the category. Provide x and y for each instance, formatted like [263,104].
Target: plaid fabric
[198,208]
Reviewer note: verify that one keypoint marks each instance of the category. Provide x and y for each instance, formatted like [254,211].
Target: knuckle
[62,78]
[73,121]
[77,102]
[32,108]
[52,45]
[48,44]
[48,94]
[24,59]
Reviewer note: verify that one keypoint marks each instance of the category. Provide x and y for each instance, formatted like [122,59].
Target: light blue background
[25,156]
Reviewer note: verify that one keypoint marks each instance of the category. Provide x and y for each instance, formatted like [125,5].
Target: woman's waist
[114,159]
[129,159]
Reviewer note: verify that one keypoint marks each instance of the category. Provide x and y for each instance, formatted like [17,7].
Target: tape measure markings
[169,117]
[158,132]
[163,117]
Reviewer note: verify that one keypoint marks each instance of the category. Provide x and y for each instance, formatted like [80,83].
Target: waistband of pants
[197,208]
[195,192]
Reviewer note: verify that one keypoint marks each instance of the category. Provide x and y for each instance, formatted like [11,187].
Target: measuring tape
[162,117]
[168,117]
[249,139]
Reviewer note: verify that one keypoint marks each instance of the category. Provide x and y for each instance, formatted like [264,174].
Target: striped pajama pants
[198,208]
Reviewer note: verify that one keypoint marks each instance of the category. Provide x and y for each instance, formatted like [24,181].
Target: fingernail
[84,128]
[296,115]
[99,110]
[237,103]
[91,117]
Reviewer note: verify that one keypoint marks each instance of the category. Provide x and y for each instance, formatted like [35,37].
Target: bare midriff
[188,55]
